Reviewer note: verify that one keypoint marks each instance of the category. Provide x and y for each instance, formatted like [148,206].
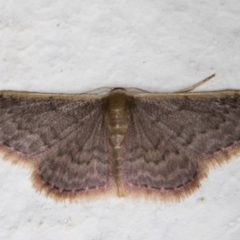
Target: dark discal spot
[224,120]
[10,111]
[187,142]
[226,111]
[216,127]
[165,155]
[176,151]
[178,132]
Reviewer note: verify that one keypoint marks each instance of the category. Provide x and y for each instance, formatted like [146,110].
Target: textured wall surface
[75,46]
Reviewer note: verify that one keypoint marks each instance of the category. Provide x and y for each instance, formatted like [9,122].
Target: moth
[157,145]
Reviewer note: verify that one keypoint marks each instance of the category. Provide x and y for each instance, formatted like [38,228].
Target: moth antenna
[99,91]
[188,89]
[137,90]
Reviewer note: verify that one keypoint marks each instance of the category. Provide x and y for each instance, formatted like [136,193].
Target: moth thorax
[118,115]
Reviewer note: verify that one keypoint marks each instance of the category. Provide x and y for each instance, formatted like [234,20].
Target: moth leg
[188,89]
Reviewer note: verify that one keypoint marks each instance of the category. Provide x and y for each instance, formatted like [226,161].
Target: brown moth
[157,145]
